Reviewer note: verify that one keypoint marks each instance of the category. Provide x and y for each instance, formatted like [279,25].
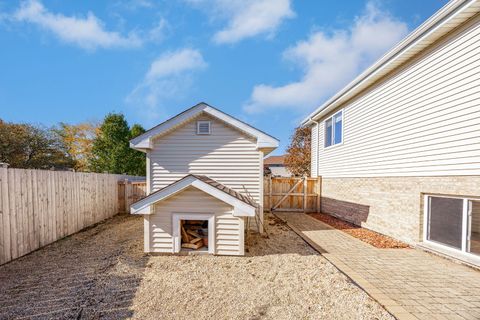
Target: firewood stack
[191,239]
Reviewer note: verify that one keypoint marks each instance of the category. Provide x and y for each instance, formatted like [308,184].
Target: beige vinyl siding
[227,155]
[424,120]
[229,229]
[314,155]
[229,234]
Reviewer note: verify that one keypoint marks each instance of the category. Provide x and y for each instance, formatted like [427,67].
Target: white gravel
[102,273]
[280,278]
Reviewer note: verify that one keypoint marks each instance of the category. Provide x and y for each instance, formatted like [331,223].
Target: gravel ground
[103,273]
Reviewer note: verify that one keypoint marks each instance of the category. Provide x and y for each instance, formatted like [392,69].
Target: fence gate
[130,192]
[291,194]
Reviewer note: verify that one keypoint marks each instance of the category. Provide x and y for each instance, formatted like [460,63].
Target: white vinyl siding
[424,120]
[229,229]
[227,155]
[229,234]
[314,155]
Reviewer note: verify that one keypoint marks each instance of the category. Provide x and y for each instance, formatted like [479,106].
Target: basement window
[203,127]
[334,129]
[452,226]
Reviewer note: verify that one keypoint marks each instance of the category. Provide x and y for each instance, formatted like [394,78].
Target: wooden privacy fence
[38,207]
[291,194]
[130,192]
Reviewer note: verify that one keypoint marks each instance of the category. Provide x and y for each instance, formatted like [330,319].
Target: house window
[334,129]
[203,127]
[453,223]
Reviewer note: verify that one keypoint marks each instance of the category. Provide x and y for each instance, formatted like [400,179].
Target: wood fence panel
[291,194]
[130,192]
[38,207]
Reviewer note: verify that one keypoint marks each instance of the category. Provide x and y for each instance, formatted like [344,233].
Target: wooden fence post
[270,193]
[319,193]
[5,241]
[304,194]
[128,195]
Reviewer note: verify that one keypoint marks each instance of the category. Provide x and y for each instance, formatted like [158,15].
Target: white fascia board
[263,139]
[238,212]
[239,206]
[143,145]
[143,206]
[143,141]
[261,144]
[416,37]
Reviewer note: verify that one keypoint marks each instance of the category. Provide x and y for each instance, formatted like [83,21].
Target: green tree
[111,150]
[138,161]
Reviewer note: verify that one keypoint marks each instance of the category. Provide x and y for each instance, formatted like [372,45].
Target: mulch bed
[371,237]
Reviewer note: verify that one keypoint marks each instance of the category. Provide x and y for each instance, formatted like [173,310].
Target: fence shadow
[92,274]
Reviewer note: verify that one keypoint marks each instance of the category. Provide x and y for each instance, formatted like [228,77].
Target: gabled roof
[144,141]
[441,23]
[243,206]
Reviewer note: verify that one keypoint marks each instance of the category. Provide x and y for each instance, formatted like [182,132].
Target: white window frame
[176,217]
[209,127]
[462,253]
[333,130]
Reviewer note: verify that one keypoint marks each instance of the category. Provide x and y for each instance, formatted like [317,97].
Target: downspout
[319,181]
[310,120]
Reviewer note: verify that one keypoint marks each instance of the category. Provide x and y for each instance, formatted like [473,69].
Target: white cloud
[329,61]
[246,18]
[170,76]
[86,32]
[173,63]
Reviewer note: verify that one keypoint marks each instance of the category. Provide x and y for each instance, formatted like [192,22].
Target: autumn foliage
[298,155]
[87,146]
[78,139]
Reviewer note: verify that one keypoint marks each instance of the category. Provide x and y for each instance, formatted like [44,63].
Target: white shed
[204,178]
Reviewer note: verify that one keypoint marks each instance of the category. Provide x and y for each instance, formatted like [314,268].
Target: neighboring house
[275,165]
[204,179]
[398,148]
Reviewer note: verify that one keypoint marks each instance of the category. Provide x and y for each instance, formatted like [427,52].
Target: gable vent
[203,127]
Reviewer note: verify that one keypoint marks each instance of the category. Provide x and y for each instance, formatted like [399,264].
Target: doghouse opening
[194,235]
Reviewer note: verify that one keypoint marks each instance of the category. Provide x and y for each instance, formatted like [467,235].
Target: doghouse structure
[204,179]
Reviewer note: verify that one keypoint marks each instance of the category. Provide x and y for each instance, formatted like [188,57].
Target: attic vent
[203,127]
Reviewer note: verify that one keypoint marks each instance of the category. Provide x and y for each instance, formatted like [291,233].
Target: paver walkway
[409,283]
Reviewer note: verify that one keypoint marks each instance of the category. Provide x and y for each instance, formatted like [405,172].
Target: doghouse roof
[243,206]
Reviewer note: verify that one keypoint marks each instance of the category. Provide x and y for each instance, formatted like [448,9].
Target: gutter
[411,40]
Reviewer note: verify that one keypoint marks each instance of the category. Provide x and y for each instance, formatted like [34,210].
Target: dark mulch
[371,237]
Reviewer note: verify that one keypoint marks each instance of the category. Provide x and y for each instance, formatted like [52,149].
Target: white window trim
[466,225]
[209,127]
[176,217]
[333,130]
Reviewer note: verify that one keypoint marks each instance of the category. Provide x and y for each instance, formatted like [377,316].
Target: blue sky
[267,62]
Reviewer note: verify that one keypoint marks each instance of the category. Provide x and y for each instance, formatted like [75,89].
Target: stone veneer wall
[391,205]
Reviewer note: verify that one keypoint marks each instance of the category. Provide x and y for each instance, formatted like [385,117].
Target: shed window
[334,129]
[203,127]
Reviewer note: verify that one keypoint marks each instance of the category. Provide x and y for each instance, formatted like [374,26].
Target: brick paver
[410,283]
